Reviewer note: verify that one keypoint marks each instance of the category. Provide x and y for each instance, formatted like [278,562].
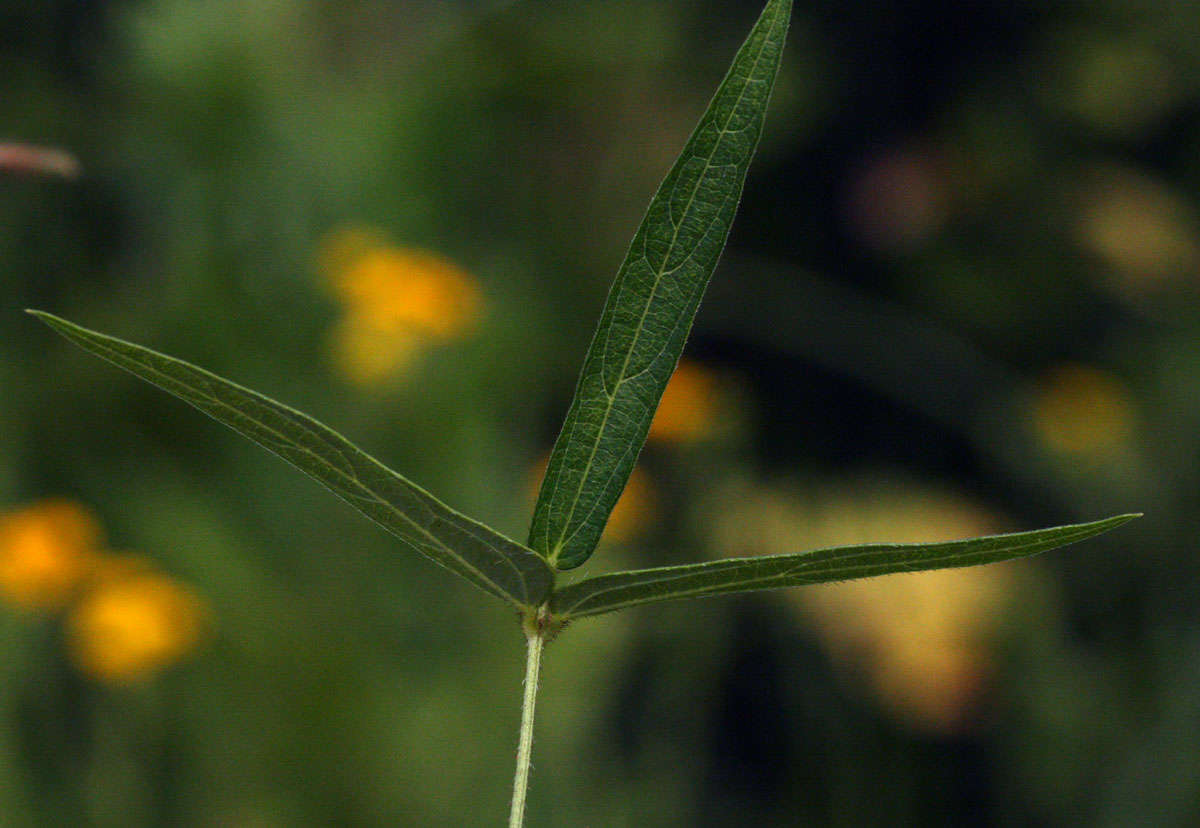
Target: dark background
[960,297]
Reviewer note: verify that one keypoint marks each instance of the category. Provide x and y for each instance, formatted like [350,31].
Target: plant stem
[533,664]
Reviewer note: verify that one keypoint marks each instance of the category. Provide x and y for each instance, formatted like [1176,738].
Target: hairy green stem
[533,664]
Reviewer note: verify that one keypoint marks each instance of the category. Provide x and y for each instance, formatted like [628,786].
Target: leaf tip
[56,322]
[1109,523]
[1128,516]
[48,318]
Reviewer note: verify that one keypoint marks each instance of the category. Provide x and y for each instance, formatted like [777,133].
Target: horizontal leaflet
[605,593]
[482,556]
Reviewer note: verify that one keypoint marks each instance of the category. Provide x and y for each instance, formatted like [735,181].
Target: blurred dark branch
[885,347]
[889,350]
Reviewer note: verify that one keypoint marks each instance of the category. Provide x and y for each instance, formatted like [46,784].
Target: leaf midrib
[563,538]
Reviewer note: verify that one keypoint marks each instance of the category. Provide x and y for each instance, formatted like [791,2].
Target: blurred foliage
[962,292]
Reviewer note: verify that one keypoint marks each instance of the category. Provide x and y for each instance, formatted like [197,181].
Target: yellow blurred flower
[1082,411]
[1117,85]
[1142,231]
[921,638]
[689,406]
[933,688]
[132,623]
[46,550]
[765,520]
[920,641]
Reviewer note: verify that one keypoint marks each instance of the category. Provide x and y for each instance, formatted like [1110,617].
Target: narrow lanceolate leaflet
[482,556]
[606,593]
[653,300]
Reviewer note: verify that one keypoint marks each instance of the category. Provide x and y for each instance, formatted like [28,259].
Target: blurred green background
[961,297]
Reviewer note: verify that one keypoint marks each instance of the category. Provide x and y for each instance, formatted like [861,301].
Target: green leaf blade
[606,593]
[650,308]
[484,557]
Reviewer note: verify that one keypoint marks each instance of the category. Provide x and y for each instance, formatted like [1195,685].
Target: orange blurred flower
[689,407]
[393,288]
[134,622]
[397,301]
[634,510]
[46,550]
[367,355]
[1082,411]
[125,620]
